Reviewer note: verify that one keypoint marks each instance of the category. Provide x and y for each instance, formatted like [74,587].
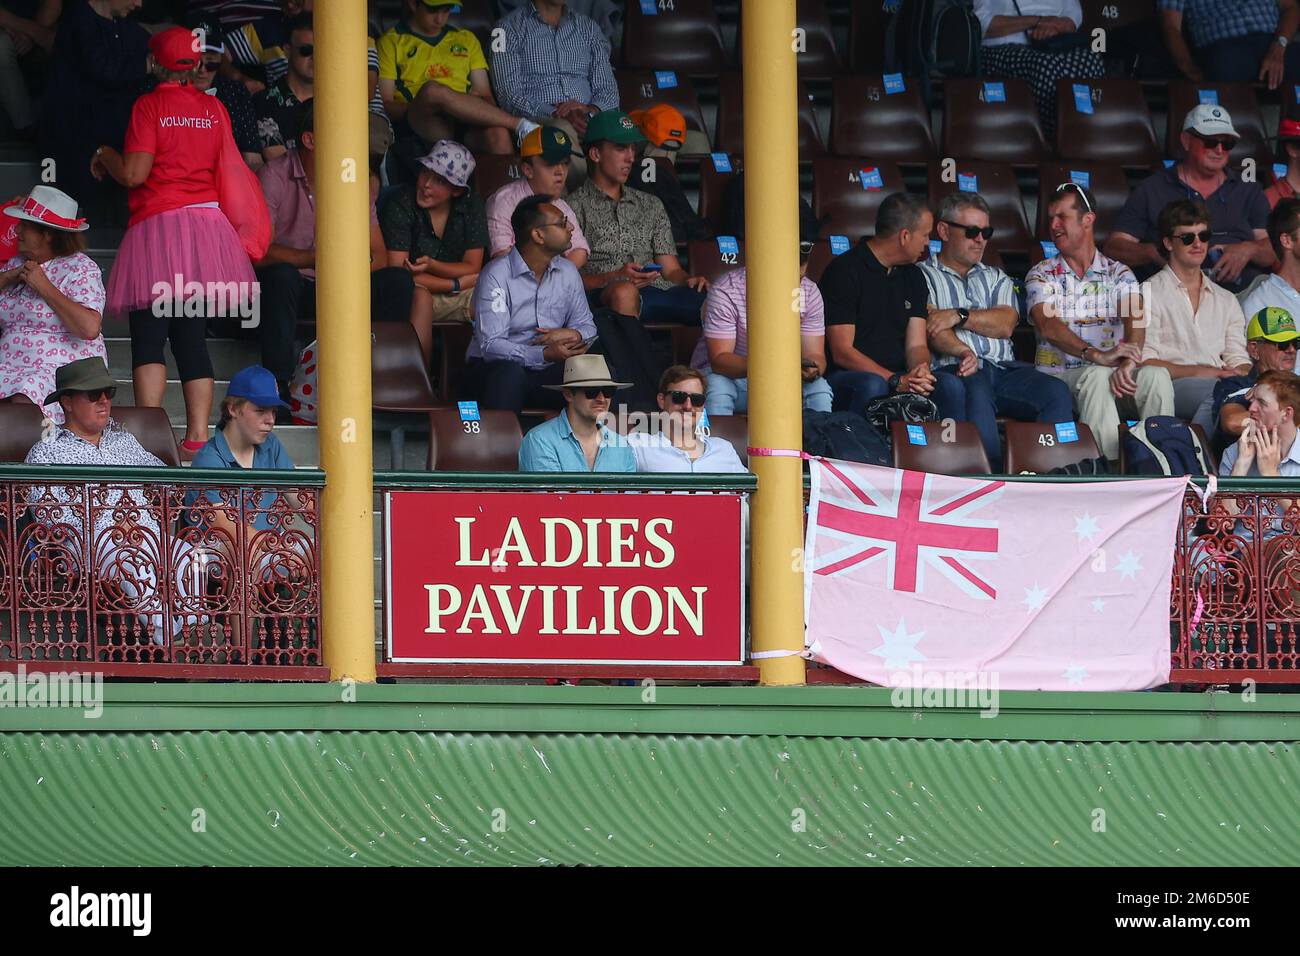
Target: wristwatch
[455,285]
[893,381]
[963,316]
[1281,41]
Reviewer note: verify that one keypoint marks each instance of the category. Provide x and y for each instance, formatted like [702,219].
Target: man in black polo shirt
[876,306]
[1239,246]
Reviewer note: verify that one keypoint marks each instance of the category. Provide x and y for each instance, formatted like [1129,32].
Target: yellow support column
[343,322]
[775,388]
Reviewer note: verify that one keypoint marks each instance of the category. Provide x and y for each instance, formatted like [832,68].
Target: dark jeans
[509,386]
[288,296]
[1015,390]
[1237,60]
[679,305]
[855,390]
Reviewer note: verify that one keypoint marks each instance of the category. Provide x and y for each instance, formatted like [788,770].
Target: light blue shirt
[658,454]
[983,287]
[510,305]
[217,454]
[552,446]
[1288,467]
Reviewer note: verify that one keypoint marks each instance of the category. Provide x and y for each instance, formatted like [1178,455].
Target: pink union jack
[914,524]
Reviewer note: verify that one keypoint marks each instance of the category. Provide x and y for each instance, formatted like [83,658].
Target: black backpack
[906,407]
[1164,445]
[845,436]
[925,37]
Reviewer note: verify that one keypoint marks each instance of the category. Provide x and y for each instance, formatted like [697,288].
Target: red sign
[564,577]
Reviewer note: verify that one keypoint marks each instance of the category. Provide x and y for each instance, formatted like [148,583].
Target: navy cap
[257,385]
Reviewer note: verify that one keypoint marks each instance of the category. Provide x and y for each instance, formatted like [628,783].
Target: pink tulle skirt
[196,243]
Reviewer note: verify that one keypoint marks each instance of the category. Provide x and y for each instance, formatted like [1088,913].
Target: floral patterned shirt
[1092,306]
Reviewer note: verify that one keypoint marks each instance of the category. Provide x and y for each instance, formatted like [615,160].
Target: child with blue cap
[243,438]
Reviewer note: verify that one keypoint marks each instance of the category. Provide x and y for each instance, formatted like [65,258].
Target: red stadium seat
[997,184]
[730,136]
[1033,447]
[713,190]
[492,172]
[1108,185]
[868,120]
[867,23]
[640,89]
[20,429]
[152,429]
[819,57]
[1118,130]
[684,35]
[494,446]
[977,124]
[1240,102]
[964,455]
[707,258]
[842,203]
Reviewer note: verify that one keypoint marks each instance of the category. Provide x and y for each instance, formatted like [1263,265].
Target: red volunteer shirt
[183,130]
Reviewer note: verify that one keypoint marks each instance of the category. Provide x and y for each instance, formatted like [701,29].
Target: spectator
[19,37]
[1288,139]
[51,299]
[530,314]
[256,43]
[277,106]
[544,164]
[1278,289]
[607,14]
[723,351]
[434,77]
[233,14]
[1238,210]
[1087,311]
[1195,328]
[677,446]
[577,439]
[664,128]
[1271,343]
[876,306]
[628,230]
[287,273]
[1236,41]
[243,437]
[97,69]
[233,96]
[553,65]
[437,229]
[1038,41]
[972,315]
[1267,446]
[173,149]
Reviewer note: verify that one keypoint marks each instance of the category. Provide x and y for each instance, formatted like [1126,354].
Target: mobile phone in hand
[652,267]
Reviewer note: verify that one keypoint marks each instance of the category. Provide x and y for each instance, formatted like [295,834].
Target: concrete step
[228,356]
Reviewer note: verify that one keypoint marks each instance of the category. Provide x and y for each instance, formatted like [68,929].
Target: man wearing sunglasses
[972,315]
[277,105]
[1239,247]
[232,94]
[577,439]
[1271,341]
[1195,328]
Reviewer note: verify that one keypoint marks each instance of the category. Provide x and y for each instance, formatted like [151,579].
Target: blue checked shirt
[984,287]
[1212,20]
[541,66]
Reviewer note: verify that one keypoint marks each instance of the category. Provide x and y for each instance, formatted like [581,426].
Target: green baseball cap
[442,3]
[612,126]
[1272,323]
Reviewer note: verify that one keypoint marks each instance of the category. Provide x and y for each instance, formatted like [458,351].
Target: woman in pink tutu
[51,299]
[181,261]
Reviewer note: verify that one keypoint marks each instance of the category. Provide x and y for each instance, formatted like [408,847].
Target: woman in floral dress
[51,299]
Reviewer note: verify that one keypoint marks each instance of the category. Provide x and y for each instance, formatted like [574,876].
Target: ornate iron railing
[161,572]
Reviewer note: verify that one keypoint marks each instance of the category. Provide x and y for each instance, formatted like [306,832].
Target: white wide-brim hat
[587,371]
[50,207]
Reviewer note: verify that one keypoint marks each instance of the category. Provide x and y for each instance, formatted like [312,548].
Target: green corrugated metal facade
[698,776]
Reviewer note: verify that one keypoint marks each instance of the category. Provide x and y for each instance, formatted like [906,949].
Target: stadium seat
[683,35]
[996,182]
[641,89]
[713,191]
[819,259]
[1033,447]
[819,56]
[477,16]
[839,200]
[152,429]
[455,447]
[867,120]
[962,456]
[1240,102]
[730,136]
[492,172]
[1108,185]
[735,429]
[1110,14]
[20,429]
[1118,130]
[399,382]
[867,23]
[707,259]
[979,125]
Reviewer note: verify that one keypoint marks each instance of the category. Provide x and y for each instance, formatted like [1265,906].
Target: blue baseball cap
[257,385]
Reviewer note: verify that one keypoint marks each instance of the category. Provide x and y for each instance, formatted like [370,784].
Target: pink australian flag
[1048,585]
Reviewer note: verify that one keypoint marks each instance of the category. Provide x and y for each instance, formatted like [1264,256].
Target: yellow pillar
[343,323]
[775,389]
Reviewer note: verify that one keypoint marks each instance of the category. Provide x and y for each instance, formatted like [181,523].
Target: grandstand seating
[1109,14]
[684,35]
[20,429]
[819,56]
[640,89]
[707,258]
[152,429]
[964,455]
[844,206]
[1240,102]
[494,447]
[1200,433]
[1108,185]
[477,16]
[994,120]
[493,172]
[1033,447]
[997,184]
[1118,130]
[400,382]
[866,37]
[735,429]
[713,190]
[868,120]
[730,136]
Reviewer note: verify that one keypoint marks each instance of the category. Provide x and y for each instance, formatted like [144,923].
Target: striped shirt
[1212,20]
[540,65]
[726,315]
[1091,307]
[983,287]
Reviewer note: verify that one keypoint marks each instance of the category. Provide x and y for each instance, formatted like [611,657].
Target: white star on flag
[1099,604]
[1085,526]
[899,649]
[1075,674]
[1129,564]
[1035,597]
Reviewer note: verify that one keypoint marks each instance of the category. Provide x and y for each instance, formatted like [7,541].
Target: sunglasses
[970,231]
[1187,238]
[1224,143]
[594,393]
[678,397]
[1078,189]
[1290,346]
[208,66]
[94,395]
[305,49]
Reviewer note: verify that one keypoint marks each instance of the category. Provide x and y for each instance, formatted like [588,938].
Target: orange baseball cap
[662,124]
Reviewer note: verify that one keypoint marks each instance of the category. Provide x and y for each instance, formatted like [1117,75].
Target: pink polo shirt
[501,205]
[726,315]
